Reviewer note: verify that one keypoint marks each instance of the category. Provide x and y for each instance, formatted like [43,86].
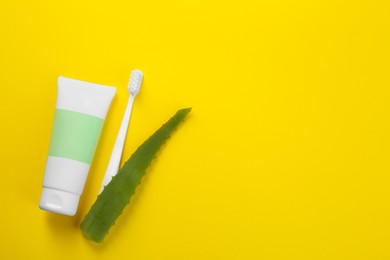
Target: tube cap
[59,201]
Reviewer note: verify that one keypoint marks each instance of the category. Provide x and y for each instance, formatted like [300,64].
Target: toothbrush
[113,166]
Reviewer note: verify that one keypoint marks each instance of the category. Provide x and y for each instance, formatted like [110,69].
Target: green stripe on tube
[75,135]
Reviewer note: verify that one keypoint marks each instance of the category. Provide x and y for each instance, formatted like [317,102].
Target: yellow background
[284,156]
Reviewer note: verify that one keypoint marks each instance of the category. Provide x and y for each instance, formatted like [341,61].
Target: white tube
[80,113]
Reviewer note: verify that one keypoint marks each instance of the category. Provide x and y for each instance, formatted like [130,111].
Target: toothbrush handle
[116,155]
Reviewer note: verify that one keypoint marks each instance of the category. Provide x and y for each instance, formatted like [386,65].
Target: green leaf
[116,195]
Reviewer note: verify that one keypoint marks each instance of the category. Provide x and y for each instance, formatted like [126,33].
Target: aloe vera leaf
[116,195]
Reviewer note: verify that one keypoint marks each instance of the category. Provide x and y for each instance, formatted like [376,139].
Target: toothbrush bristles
[135,82]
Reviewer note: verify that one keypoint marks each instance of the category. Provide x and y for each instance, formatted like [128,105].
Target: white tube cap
[59,201]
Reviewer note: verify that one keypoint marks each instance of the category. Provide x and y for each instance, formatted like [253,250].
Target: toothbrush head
[135,82]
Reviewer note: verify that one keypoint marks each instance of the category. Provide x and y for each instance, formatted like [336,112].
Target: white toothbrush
[113,166]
